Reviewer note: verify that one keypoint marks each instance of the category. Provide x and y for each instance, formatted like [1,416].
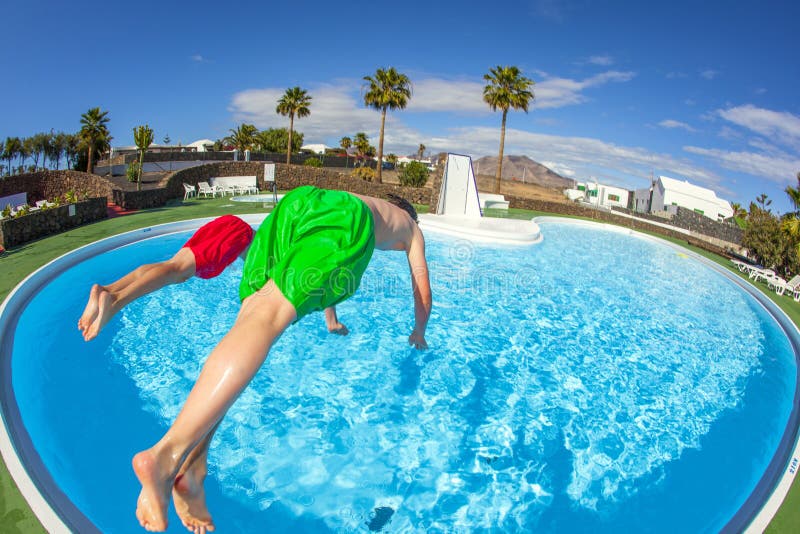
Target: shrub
[133,172]
[24,210]
[70,197]
[312,162]
[415,174]
[7,211]
[365,173]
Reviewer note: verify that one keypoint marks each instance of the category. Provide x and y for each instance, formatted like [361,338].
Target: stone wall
[41,223]
[289,177]
[694,222]
[577,210]
[141,200]
[47,185]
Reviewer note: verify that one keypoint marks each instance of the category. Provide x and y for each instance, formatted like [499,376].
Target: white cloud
[199,59]
[776,168]
[436,94]
[463,96]
[673,75]
[709,74]
[559,92]
[334,112]
[760,91]
[337,108]
[625,166]
[669,123]
[779,126]
[604,61]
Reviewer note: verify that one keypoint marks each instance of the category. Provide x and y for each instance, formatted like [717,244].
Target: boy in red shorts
[210,250]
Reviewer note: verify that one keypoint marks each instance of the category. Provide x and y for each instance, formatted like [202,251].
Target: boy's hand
[417,340]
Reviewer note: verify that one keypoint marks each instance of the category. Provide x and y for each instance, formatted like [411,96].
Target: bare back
[394,228]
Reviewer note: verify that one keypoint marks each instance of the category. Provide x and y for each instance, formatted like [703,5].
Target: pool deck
[16,515]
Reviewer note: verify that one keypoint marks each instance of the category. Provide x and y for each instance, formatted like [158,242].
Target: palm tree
[507,88]
[11,150]
[794,194]
[243,137]
[361,142]
[345,142]
[143,137]
[763,201]
[72,146]
[295,101]
[94,133]
[388,89]
[392,158]
[421,151]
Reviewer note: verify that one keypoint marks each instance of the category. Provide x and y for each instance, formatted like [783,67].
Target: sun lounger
[777,284]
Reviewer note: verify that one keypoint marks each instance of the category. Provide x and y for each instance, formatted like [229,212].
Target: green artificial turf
[17,517]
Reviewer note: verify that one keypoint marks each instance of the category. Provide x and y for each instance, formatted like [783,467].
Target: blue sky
[702,91]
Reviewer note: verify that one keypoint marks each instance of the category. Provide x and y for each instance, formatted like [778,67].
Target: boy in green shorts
[308,255]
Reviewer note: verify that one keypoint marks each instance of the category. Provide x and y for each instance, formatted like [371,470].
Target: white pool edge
[18,298]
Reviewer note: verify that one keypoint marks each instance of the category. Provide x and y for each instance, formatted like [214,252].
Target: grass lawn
[17,517]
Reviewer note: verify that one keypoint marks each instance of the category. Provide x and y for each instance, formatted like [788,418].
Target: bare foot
[151,507]
[102,316]
[90,312]
[338,328]
[189,497]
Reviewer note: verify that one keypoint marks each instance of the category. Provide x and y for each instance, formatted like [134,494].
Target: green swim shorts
[316,245]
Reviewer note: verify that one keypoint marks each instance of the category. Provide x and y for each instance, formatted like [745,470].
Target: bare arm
[421,286]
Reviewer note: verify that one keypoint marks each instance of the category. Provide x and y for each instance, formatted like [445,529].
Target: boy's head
[404,205]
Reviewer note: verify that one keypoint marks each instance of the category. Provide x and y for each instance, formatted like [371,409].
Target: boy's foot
[151,507]
[102,315]
[90,312]
[189,497]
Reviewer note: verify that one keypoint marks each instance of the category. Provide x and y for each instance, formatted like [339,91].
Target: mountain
[517,167]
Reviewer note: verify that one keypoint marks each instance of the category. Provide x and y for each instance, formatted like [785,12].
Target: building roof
[695,191]
[202,142]
[688,189]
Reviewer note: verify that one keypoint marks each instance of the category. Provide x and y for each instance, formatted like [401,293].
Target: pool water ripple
[564,387]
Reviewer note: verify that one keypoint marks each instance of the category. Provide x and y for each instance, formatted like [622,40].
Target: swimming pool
[596,381]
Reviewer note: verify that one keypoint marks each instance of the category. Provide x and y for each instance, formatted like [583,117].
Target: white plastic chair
[189,191]
[205,189]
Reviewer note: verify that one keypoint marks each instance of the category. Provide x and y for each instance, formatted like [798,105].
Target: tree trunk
[289,147]
[500,157]
[89,158]
[378,178]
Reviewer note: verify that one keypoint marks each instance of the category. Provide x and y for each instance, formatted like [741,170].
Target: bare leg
[228,370]
[188,492]
[332,322]
[106,301]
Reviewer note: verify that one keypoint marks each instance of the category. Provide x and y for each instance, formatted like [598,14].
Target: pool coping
[58,514]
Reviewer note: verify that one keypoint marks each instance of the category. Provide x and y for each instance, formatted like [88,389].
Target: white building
[318,148]
[604,195]
[202,145]
[669,194]
[641,200]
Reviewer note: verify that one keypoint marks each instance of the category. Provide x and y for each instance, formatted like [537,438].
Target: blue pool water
[596,382]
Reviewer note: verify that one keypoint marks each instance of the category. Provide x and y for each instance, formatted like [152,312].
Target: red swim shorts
[215,245]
